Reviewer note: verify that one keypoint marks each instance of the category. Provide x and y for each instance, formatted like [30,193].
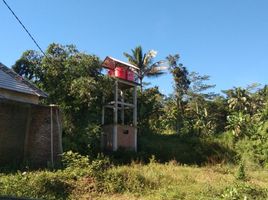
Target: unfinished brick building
[29,133]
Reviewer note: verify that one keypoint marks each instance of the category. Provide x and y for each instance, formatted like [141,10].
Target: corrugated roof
[110,63]
[10,80]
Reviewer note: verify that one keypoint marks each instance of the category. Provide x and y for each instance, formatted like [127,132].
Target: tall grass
[182,149]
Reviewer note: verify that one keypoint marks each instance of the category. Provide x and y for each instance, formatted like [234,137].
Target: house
[30,133]
[14,87]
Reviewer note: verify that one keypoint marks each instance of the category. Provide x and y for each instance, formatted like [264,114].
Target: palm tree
[144,61]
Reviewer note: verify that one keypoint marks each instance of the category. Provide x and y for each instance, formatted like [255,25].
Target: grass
[172,181]
[169,167]
[139,181]
[183,149]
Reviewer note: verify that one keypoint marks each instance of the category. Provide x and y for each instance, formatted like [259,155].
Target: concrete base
[125,137]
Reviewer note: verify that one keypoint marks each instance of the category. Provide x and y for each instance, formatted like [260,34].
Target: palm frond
[156,67]
[156,74]
[131,59]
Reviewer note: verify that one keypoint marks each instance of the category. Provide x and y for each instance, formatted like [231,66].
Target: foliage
[152,181]
[199,106]
[185,128]
[74,160]
[169,118]
[241,174]
[144,62]
[39,185]
[244,191]
[244,124]
[29,66]
[181,86]
[150,110]
[183,149]
[247,121]
[100,164]
[73,81]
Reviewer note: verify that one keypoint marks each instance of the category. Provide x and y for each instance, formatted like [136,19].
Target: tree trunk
[141,82]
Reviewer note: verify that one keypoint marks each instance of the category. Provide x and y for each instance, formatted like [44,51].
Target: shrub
[123,180]
[40,185]
[74,160]
[100,164]
[244,191]
[241,174]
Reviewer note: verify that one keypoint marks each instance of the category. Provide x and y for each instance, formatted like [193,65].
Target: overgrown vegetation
[210,146]
[83,178]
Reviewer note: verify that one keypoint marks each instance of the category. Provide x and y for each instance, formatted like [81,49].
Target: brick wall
[25,134]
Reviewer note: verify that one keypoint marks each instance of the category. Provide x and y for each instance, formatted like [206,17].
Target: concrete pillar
[135,115]
[122,108]
[115,116]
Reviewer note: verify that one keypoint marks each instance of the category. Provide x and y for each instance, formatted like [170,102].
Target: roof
[111,63]
[10,80]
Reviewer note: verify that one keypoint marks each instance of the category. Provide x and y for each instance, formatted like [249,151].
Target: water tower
[117,133]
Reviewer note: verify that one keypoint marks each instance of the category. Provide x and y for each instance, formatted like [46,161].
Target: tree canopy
[75,82]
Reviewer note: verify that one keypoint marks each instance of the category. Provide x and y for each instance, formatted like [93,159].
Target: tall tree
[199,105]
[29,66]
[73,81]
[181,86]
[145,63]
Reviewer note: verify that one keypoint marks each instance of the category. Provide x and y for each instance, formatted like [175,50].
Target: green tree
[181,86]
[73,81]
[150,109]
[246,111]
[145,63]
[29,66]
[238,100]
[200,118]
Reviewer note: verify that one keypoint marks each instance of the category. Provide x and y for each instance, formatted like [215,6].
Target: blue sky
[225,39]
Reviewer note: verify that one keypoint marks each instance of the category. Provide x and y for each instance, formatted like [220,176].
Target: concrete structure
[29,133]
[118,134]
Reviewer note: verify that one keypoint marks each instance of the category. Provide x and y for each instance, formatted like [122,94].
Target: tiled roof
[10,80]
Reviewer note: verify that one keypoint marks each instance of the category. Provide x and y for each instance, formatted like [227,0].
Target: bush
[244,191]
[40,185]
[126,180]
[100,165]
[185,150]
[254,150]
[74,160]
[241,174]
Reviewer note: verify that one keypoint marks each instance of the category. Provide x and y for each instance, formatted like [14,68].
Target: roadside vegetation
[192,144]
[100,179]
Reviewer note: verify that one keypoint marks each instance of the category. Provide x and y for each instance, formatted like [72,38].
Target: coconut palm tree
[144,61]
